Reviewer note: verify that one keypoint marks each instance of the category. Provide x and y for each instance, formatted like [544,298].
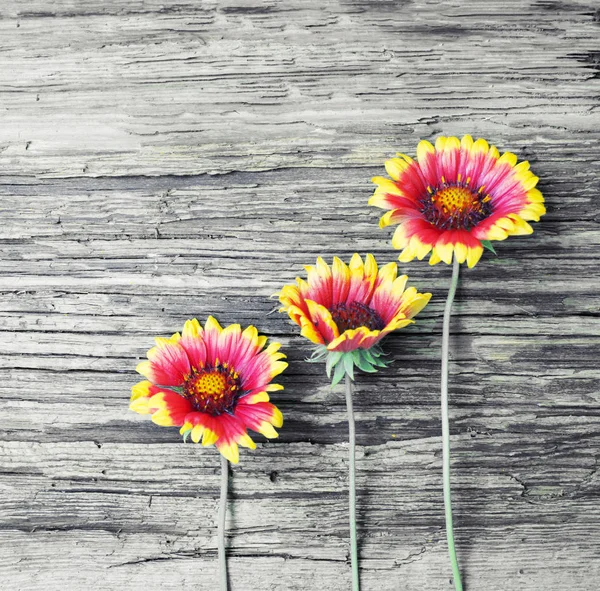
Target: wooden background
[160,161]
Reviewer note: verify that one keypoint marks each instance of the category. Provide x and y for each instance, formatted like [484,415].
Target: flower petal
[320,283]
[322,321]
[205,425]
[260,417]
[262,368]
[352,339]
[141,394]
[172,409]
[167,364]
[192,341]
[232,433]
[341,281]
[212,331]
[362,279]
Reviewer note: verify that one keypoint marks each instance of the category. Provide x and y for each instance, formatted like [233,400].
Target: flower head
[347,309]
[455,198]
[213,383]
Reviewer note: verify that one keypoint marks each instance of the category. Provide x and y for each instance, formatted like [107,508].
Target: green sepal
[176,389]
[373,358]
[339,364]
[332,360]
[378,351]
[488,244]
[318,354]
[349,364]
[340,372]
[186,434]
[381,363]
[361,362]
[368,355]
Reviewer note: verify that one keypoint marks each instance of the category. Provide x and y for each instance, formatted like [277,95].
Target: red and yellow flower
[348,309]
[455,198]
[213,382]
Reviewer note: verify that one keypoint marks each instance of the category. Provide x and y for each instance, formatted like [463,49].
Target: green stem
[446,428]
[352,486]
[221,534]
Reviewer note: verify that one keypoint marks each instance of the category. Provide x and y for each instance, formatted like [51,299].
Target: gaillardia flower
[346,310]
[455,198]
[213,383]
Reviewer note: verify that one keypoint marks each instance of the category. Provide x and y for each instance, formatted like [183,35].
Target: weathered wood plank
[166,511]
[92,486]
[257,86]
[167,160]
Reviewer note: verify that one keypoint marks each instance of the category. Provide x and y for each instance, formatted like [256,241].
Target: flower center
[349,316]
[454,198]
[212,389]
[456,206]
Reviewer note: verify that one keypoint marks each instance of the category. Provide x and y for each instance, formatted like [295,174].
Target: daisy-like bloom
[455,198]
[347,309]
[213,383]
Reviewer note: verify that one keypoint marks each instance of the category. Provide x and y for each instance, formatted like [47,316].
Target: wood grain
[163,160]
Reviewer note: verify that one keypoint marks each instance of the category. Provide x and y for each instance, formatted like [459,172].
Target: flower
[455,198]
[347,310]
[214,383]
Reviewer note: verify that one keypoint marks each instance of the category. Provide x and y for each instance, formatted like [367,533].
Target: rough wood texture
[166,160]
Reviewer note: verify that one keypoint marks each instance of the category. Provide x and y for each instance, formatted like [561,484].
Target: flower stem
[446,428]
[352,486]
[221,534]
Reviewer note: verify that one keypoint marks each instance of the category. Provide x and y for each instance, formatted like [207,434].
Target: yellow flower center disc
[210,384]
[454,198]
[455,207]
[213,389]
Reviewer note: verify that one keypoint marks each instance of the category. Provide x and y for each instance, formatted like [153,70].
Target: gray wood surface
[160,161]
